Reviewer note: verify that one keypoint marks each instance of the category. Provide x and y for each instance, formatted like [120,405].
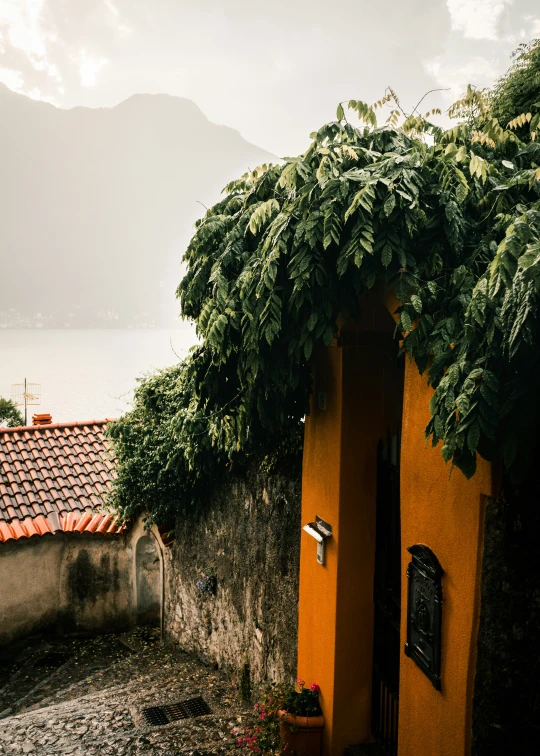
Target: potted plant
[301,720]
[287,719]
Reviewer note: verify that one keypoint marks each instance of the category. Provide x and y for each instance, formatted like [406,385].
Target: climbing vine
[449,220]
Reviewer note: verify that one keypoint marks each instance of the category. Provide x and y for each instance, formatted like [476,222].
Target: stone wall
[507,693]
[231,593]
[68,582]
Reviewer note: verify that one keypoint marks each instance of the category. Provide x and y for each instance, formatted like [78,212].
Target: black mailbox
[424,612]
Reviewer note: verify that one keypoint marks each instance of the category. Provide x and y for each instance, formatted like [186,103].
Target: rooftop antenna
[26,395]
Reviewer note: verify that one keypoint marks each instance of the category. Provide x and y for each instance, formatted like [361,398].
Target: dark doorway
[387,598]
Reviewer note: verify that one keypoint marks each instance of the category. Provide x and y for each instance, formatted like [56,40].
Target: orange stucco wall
[446,513]
[335,640]
[321,496]
[339,485]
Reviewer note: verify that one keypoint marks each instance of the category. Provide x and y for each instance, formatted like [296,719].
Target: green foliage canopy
[449,220]
[9,414]
[518,91]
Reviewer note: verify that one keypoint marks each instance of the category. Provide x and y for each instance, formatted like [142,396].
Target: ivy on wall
[447,219]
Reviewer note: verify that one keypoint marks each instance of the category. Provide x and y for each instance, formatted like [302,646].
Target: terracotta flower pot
[303,735]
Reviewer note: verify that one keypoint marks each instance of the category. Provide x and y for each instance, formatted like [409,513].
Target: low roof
[54,478]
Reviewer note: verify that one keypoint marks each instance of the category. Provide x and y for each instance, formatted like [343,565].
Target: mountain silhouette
[97,206]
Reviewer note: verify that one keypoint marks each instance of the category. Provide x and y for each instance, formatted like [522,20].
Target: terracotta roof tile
[55,478]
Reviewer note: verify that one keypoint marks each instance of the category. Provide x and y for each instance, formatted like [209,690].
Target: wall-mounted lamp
[320,531]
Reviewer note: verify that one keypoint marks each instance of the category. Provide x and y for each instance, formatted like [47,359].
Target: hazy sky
[273,69]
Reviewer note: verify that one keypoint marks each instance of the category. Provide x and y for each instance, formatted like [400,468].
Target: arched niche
[148,581]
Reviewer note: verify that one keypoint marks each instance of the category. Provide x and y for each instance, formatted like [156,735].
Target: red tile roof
[54,478]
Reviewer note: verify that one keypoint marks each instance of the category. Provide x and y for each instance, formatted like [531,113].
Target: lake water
[86,374]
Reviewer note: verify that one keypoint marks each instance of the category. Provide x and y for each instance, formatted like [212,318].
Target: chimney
[44,419]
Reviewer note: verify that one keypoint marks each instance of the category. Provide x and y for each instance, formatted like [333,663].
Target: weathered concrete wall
[231,592]
[28,585]
[68,581]
[95,584]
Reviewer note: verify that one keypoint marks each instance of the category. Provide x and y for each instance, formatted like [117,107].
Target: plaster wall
[362,387]
[29,586]
[321,486]
[442,511]
[446,513]
[67,582]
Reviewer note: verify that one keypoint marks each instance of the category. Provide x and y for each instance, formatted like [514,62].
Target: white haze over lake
[87,374]
[97,206]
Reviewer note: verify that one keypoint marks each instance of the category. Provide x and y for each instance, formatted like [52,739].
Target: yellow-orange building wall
[445,512]
[359,381]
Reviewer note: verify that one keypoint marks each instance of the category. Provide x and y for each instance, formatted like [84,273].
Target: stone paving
[90,704]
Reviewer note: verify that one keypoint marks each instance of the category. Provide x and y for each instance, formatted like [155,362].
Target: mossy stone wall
[506,707]
[231,593]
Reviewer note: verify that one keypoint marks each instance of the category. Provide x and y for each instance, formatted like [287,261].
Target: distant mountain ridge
[97,206]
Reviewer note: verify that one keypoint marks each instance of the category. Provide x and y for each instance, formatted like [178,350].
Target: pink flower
[301,682]
[314,687]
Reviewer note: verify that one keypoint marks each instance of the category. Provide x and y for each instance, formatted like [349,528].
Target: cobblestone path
[83,696]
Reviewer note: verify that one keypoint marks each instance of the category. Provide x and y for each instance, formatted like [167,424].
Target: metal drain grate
[194,707]
[161,715]
[155,715]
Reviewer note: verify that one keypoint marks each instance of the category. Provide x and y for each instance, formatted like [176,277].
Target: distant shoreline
[88,372]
